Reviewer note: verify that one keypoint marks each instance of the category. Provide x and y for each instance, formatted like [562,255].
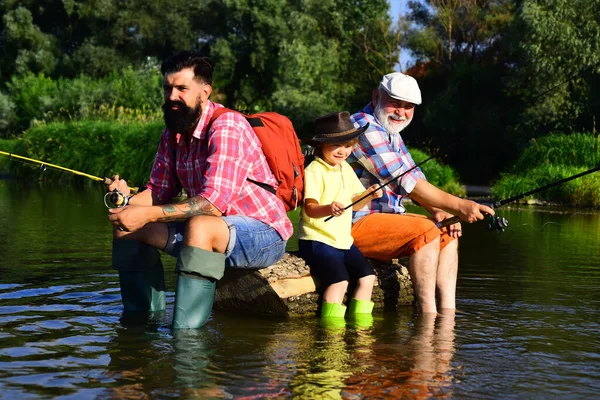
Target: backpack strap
[254,122]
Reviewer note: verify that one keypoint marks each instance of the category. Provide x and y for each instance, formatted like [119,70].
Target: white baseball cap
[401,87]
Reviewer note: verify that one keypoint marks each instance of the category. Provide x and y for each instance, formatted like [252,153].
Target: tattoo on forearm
[189,208]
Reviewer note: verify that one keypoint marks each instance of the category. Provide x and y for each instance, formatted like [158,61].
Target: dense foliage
[301,58]
[121,95]
[494,73]
[551,159]
[99,148]
[487,67]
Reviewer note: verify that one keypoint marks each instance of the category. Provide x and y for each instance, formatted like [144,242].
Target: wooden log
[287,288]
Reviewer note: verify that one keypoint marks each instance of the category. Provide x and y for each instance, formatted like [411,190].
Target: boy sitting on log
[327,246]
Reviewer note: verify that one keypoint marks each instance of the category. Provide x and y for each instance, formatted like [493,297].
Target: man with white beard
[383,230]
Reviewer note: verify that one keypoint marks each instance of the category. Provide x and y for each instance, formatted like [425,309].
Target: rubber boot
[360,312]
[141,276]
[332,315]
[198,271]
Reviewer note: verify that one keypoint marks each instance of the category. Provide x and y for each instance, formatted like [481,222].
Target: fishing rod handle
[446,222]
[109,181]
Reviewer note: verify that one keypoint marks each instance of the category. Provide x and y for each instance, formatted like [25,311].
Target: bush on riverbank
[442,176]
[99,148]
[550,159]
[126,95]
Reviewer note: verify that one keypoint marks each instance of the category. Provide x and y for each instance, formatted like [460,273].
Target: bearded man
[226,221]
[383,230]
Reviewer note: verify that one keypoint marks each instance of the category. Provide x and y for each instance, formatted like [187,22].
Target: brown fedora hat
[335,128]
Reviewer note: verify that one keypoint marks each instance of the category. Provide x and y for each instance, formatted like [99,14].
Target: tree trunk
[287,288]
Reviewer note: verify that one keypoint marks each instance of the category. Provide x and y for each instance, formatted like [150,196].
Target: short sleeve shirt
[326,184]
[378,158]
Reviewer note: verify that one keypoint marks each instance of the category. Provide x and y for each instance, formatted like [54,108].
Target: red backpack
[281,148]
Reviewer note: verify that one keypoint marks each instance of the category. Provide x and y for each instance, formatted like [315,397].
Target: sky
[398,7]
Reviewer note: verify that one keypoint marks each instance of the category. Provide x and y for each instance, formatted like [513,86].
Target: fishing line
[386,183]
[111,199]
[499,223]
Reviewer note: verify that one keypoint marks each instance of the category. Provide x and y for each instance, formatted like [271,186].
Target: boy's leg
[360,305]
[360,271]
[327,266]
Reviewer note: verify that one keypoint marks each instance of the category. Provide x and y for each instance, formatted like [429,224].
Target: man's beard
[390,127]
[182,120]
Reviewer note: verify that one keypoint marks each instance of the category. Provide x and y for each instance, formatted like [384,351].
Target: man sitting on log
[226,221]
[383,230]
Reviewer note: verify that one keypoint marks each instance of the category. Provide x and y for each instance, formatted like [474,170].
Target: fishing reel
[116,199]
[496,223]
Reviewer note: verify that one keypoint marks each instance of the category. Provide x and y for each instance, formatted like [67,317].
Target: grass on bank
[550,159]
[99,148]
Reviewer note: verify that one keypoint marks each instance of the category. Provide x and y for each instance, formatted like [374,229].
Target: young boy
[327,246]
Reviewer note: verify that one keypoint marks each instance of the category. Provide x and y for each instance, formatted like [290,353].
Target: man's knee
[431,247]
[449,246]
[207,232]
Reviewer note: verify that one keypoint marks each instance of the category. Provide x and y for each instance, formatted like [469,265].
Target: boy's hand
[337,208]
[375,192]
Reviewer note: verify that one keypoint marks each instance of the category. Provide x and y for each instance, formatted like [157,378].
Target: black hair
[202,65]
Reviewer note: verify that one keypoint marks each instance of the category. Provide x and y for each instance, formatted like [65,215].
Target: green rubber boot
[332,315]
[360,312]
[141,276]
[198,271]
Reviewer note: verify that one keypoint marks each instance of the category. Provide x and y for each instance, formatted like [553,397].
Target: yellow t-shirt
[327,184]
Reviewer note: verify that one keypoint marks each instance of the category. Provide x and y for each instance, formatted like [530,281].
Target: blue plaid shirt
[377,158]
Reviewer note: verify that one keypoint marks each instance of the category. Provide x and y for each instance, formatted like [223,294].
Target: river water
[528,324]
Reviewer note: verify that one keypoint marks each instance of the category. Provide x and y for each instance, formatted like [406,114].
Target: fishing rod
[385,184]
[111,199]
[500,223]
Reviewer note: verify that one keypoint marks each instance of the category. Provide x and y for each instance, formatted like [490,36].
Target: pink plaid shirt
[216,165]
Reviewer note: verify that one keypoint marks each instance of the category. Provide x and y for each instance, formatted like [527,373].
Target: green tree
[560,65]
[464,56]
[25,48]
[304,58]
[64,38]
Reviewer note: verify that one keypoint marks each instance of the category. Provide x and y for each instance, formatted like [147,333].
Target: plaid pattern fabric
[216,165]
[377,158]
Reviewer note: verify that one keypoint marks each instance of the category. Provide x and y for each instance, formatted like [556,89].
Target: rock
[287,288]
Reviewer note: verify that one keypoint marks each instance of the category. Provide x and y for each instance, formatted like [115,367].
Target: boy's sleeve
[313,185]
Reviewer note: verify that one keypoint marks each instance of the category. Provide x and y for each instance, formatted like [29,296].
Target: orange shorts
[385,236]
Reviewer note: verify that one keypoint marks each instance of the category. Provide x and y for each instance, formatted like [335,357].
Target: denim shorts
[252,243]
[331,265]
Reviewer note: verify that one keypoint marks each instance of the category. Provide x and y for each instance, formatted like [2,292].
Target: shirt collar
[207,113]
[327,166]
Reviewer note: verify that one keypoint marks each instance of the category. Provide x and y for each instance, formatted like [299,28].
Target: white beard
[390,127]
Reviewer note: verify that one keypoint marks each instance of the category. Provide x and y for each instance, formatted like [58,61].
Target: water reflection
[327,365]
[416,364]
[529,328]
